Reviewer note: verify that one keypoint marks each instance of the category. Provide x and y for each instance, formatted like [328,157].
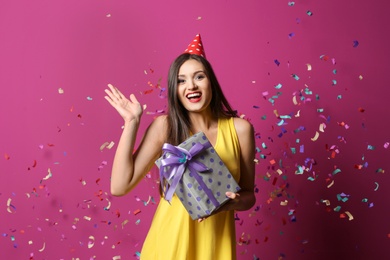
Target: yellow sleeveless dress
[173,235]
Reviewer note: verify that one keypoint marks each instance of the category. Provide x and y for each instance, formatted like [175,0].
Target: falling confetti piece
[324,57]
[309,13]
[89,98]
[9,206]
[6,156]
[350,217]
[377,186]
[60,91]
[107,145]
[386,145]
[295,76]
[355,43]
[49,174]
[43,247]
[331,184]
[322,127]
[91,243]
[108,206]
[315,137]
[309,68]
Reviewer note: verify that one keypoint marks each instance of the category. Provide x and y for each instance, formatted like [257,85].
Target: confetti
[350,217]
[43,247]
[295,76]
[355,43]
[315,137]
[309,68]
[60,91]
[376,186]
[284,203]
[107,145]
[49,174]
[91,243]
[10,206]
[108,206]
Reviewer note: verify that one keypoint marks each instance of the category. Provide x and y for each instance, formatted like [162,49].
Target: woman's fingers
[133,98]
[231,195]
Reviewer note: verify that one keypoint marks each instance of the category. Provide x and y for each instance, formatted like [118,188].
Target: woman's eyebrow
[196,72]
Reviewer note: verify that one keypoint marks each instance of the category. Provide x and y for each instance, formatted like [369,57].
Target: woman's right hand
[129,109]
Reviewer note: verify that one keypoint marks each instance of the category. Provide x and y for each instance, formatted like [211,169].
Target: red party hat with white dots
[196,47]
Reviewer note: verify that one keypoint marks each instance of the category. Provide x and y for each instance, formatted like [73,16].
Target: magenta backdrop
[293,68]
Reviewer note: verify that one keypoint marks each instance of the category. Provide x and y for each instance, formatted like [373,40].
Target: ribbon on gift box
[178,159]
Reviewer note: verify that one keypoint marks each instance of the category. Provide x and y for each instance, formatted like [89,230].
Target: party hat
[196,47]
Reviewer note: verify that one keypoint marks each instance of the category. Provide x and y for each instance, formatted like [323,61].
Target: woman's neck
[204,122]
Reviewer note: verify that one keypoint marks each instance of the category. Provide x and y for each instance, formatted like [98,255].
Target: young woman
[195,103]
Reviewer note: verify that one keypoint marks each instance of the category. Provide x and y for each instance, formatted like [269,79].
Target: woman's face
[193,88]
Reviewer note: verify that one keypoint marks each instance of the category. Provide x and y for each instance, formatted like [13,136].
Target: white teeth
[192,95]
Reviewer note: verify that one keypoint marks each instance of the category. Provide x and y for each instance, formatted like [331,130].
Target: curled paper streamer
[49,175]
[91,243]
[322,127]
[9,206]
[43,247]
[330,184]
[350,217]
[315,137]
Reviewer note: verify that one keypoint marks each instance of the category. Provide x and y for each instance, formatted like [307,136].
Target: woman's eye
[199,77]
[180,81]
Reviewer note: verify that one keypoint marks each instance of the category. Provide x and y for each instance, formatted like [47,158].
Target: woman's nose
[192,85]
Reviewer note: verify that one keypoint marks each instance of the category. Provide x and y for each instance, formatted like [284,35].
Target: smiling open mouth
[194,95]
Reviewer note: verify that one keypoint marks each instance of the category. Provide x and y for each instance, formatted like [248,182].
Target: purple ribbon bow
[178,159]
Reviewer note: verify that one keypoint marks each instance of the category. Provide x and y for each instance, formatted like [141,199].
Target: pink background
[81,46]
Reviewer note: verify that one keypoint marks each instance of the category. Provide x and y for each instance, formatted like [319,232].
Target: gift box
[194,171]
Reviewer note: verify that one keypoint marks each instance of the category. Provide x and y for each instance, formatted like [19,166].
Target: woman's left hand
[231,195]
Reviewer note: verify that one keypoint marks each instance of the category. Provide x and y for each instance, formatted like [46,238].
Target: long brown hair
[178,120]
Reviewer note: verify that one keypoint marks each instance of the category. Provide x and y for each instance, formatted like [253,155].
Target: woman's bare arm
[245,198]
[129,168]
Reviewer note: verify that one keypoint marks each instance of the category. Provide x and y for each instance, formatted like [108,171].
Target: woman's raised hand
[129,109]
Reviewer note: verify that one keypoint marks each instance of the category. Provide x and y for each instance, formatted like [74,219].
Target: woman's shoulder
[160,122]
[242,125]
[159,127]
